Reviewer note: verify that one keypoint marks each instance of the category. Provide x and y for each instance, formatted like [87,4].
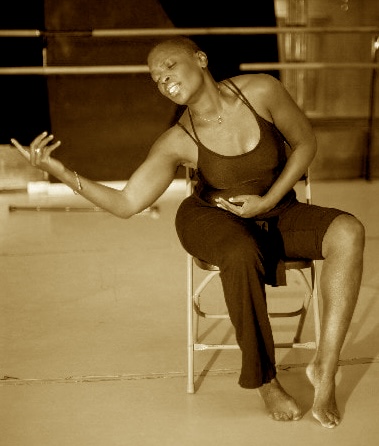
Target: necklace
[219,117]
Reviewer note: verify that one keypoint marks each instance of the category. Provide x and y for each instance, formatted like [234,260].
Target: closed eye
[169,65]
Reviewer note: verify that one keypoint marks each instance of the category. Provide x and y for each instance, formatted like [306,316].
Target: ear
[203,59]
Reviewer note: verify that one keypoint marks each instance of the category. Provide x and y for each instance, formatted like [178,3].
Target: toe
[279,416]
[297,416]
[334,418]
[325,420]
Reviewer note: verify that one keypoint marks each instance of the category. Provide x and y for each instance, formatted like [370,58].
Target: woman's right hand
[39,151]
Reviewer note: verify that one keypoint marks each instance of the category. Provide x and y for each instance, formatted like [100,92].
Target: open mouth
[172,89]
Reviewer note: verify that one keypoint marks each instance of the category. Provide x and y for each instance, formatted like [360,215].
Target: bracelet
[79,186]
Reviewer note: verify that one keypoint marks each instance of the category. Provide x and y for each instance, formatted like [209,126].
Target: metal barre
[20,33]
[231,30]
[140,32]
[128,69]
[104,69]
[308,65]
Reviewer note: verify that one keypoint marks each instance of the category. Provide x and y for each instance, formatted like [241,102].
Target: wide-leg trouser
[232,243]
[235,245]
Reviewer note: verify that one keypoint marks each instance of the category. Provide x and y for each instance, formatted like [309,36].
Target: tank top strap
[193,126]
[196,141]
[237,91]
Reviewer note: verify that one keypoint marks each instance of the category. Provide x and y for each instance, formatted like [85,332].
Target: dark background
[108,122]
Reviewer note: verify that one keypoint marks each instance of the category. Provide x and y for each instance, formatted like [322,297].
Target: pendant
[219,119]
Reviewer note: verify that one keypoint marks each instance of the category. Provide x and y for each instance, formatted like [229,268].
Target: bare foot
[280,405]
[324,405]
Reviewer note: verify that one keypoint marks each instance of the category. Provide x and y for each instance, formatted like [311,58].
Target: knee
[346,235]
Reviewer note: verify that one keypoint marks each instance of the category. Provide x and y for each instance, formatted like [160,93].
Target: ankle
[324,368]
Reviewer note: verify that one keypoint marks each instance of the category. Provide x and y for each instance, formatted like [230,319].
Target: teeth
[173,89]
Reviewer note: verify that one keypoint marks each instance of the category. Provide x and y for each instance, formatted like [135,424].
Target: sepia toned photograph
[189,236]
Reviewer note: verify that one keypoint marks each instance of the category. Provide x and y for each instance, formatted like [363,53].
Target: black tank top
[250,173]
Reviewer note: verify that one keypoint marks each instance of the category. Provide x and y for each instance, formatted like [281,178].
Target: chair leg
[190,346]
[316,303]
[310,295]
[306,302]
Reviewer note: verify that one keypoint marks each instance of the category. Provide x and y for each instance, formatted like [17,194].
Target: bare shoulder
[265,92]
[256,84]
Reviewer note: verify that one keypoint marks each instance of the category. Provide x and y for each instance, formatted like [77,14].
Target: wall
[108,122]
[338,100]
[24,106]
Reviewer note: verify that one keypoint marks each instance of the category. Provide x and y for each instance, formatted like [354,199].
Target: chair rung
[226,316]
[215,316]
[198,347]
[306,345]
[288,314]
[205,315]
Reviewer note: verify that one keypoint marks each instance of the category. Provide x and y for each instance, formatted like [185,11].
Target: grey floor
[93,335]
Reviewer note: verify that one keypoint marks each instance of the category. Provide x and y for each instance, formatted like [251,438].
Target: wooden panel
[107,123]
[342,146]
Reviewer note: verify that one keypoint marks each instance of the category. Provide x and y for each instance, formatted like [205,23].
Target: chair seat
[297,263]
[205,265]
[289,264]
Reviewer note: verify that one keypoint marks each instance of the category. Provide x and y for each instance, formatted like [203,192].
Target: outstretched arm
[144,187]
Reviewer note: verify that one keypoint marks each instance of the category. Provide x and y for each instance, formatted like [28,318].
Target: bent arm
[298,132]
[276,105]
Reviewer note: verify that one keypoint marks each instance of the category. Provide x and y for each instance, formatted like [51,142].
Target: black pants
[237,247]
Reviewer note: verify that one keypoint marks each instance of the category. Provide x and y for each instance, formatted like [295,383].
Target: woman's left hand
[245,206]
[39,151]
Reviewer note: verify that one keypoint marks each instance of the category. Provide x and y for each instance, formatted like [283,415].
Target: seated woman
[234,134]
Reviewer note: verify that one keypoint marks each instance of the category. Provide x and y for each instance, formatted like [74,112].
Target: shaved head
[181,43]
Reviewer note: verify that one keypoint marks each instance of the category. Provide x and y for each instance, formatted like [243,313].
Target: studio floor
[93,335]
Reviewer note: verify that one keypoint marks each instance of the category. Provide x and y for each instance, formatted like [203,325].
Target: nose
[165,79]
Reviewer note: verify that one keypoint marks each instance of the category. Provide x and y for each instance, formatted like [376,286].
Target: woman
[235,134]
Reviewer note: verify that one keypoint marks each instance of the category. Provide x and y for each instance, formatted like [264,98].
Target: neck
[212,112]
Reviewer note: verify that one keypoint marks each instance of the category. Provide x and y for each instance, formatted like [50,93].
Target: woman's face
[178,73]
